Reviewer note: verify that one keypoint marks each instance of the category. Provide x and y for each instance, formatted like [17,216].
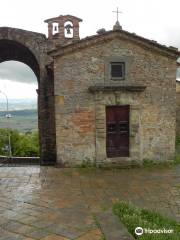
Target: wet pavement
[60,204]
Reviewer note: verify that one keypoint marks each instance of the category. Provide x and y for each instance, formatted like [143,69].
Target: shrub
[22,144]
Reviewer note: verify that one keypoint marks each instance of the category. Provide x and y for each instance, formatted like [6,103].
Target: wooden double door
[117,131]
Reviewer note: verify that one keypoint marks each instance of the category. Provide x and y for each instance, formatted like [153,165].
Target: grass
[99,226]
[165,164]
[177,141]
[177,158]
[102,238]
[133,217]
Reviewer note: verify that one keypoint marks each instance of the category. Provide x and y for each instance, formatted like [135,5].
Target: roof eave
[83,43]
[57,18]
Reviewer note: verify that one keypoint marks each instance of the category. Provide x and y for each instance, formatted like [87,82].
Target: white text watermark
[139,231]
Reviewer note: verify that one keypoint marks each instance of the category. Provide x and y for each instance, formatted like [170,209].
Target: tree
[22,144]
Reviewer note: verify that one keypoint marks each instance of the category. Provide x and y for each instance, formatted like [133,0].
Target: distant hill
[24,120]
[21,113]
[18,104]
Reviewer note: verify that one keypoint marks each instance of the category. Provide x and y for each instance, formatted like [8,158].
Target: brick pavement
[49,203]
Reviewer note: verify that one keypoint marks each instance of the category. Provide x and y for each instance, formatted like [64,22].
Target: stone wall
[80,114]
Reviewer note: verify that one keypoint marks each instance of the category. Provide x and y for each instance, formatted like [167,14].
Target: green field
[23,120]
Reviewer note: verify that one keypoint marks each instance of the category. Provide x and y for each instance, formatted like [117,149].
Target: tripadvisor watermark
[139,231]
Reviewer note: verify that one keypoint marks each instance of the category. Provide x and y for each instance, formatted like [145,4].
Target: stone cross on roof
[117,26]
[117,12]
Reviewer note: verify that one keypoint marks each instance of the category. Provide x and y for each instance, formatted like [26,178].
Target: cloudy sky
[153,19]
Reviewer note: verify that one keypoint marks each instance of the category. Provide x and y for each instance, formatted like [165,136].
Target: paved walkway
[59,204]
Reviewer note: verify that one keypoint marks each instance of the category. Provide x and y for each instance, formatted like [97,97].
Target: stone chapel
[112,96]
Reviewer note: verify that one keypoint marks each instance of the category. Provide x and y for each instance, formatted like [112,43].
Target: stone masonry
[82,91]
[75,88]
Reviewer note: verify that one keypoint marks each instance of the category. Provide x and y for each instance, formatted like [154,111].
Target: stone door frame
[103,99]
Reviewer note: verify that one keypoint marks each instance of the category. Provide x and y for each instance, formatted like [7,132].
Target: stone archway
[31,48]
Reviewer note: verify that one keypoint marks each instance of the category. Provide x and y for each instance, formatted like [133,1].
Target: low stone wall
[5,160]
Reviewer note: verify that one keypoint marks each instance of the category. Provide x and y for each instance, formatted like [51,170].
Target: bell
[68,28]
[68,31]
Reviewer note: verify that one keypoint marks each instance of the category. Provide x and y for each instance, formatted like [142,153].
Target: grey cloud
[17,72]
[173,39]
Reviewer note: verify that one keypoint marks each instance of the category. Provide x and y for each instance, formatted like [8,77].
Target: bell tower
[64,29]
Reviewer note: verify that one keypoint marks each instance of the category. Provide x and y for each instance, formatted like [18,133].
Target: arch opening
[18,111]
[55,28]
[68,29]
[12,51]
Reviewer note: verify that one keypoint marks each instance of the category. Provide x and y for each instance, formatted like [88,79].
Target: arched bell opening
[68,29]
